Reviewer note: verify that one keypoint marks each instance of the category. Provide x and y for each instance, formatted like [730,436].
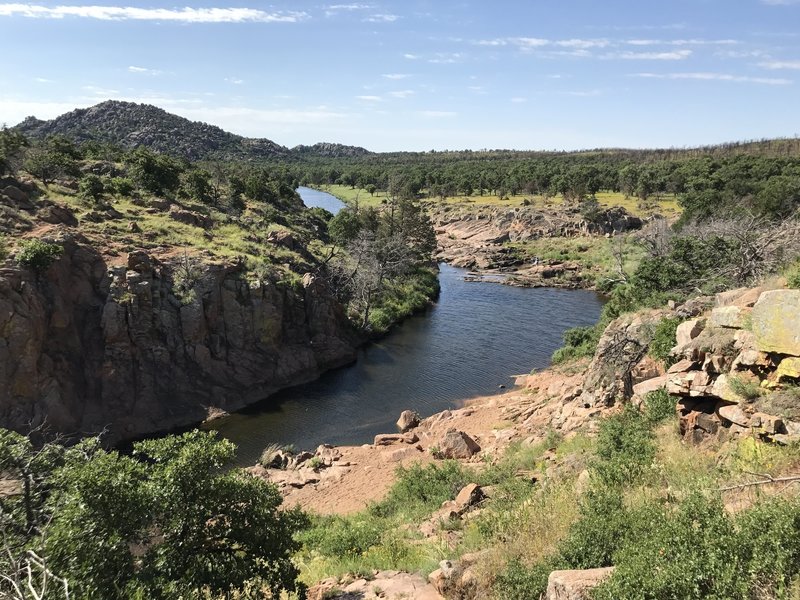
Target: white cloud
[585,93]
[446,58]
[123,13]
[369,98]
[583,44]
[42,80]
[715,77]
[518,99]
[381,18]
[674,55]
[348,7]
[395,76]
[780,2]
[234,80]
[144,70]
[692,42]
[412,56]
[780,64]
[402,93]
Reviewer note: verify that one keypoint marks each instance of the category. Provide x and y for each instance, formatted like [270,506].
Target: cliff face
[85,345]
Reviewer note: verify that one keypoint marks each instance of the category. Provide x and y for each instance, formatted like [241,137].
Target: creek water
[475,338]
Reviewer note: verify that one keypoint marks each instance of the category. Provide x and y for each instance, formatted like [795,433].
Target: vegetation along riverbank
[151,279]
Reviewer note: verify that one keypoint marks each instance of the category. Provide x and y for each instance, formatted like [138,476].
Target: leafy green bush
[519,582]
[121,186]
[697,551]
[658,406]
[166,521]
[792,275]
[91,187]
[419,489]
[3,248]
[625,447]
[579,342]
[343,537]
[664,340]
[38,254]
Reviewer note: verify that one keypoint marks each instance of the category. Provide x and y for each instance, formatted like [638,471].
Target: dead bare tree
[761,245]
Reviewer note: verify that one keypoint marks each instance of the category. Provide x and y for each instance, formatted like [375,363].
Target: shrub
[578,343]
[745,388]
[37,254]
[625,447]
[343,537]
[658,406]
[121,186]
[91,187]
[419,489]
[519,582]
[3,248]
[664,340]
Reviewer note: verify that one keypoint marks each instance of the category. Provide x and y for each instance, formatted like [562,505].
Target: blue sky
[421,74]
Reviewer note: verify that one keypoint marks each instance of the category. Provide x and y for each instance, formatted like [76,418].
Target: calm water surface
[476,337]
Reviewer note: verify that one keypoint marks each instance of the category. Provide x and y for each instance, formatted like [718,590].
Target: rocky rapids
[87,346]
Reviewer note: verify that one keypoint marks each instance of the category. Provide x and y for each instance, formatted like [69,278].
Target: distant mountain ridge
[130,125]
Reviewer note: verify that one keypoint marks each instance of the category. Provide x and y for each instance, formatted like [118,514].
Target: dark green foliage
[337,537]
[625,447]
[165,522]
[91,187]
[658,406]
[37,254]
[579,342]
[196,185]
[403,297]
[122,186]
[3,248]
[695,550]
[12,148]
[157,174]
[520,582]
[419,489]
[601,530]
[344,227]
[664,340]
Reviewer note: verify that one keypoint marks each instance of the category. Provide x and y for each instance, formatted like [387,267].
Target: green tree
[12,148]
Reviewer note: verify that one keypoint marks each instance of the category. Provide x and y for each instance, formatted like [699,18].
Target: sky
[420,74]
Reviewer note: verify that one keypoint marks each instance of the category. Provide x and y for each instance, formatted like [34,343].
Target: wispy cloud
[780,2]
[124,13]
[234,80]
[369,98]
[583,44]
[144,70]
[401,93]
[395,76]
[518,100]
[335,8]
[383,18]
[775,65]
[410,56]
[715,77]
[691,42]
[99,91]
[42,80]
[446,58]
[673,55]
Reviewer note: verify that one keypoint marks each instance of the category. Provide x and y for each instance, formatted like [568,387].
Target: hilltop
[130,125]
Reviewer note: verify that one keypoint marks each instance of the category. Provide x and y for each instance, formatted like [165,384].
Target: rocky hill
[329,150]
[130,125]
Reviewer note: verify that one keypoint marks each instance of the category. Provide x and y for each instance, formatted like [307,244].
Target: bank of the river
[528,244]
[466,345]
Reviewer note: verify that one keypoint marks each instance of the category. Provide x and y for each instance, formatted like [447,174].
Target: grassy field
[666,205]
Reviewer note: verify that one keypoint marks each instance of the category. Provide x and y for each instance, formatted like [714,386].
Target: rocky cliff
[88,345]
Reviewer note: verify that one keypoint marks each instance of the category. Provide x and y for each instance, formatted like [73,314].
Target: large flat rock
[776,322]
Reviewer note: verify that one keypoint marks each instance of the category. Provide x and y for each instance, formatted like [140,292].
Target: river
[473,340]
